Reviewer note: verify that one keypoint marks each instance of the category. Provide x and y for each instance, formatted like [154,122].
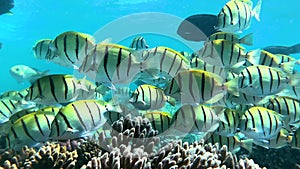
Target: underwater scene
[149,84]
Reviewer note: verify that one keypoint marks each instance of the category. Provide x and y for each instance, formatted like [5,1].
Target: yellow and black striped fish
[199,119]
[198,87]
[260,123]
[164,61]
[139,43]
[8,107]
[54,89]
[90,92]
[268,59]
[148,97]
[79,119]
[42,49]
[234,38]
[30,130]
[233,143]
[229,121]
[245,99]
[282,139]
[292,91]
[160,121]
[264,80]
[4,127]
[284,58]
[236,15]
[286,106]
[112,64]
[15,95]
[198,63]
[70,48]
[226,54]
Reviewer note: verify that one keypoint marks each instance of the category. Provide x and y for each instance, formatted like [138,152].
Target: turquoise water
[33,20]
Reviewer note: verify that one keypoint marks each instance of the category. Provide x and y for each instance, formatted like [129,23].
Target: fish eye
[17,69]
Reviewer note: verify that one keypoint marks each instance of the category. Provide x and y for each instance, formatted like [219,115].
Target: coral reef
[133,144]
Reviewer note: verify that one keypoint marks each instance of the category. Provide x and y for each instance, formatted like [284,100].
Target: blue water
[33,20]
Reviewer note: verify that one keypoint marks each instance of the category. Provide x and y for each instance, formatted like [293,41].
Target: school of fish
[221,93]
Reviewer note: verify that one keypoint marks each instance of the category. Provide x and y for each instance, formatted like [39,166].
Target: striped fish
[233,143]
[224,102]
[79,119]
[226,54]
[286,106]
[199,119]
[138,43]
[236,15]
[260,123]
[54,89]
[42,49]
[30,130]
[199,86]
[234,38]
[70,48]
[90,93]
[245,99]
[229,121]
[163,61]
[9,107]
[160,121]
[5,127]
[15,95]
[264,80]
[284,58]
[111,64]
[290,91]
[198,63]
[282,139]
[24,112]
[268,59]
[148,97]
[186,55]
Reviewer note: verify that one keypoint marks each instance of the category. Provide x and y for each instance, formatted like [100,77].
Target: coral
[133,145]
[135,131]
[48,156]
[52,156]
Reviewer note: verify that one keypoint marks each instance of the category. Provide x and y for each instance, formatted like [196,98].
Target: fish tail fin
[232,86]
[295,79]
[256,10]
[254,57]
[247,144]
[81,85]
[9,13]
[247,40]
[295,48]
[171,100]
[289,67]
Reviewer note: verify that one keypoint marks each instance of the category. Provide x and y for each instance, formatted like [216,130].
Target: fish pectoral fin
[71,130]
[9,13]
